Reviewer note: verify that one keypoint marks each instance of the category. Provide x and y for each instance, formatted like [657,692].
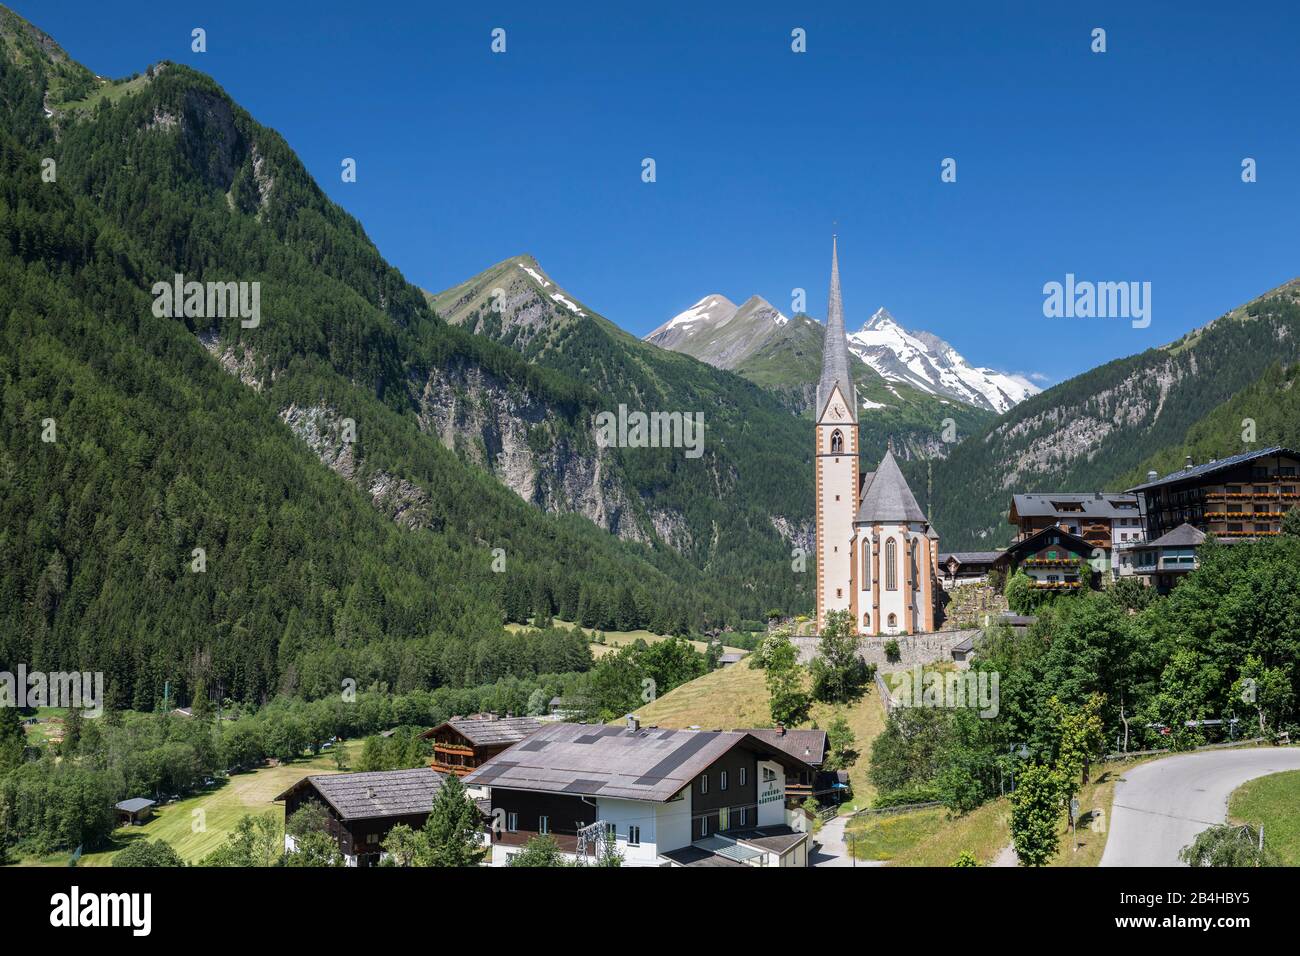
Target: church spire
[835,350]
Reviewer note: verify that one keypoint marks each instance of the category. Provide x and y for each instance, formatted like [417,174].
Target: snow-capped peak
[712,311]
[927,362]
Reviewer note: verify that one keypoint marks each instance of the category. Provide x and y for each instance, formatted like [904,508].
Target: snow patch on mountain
[928,363]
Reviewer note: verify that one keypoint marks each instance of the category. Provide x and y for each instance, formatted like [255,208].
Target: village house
[1111,523]
[810,747]
[362,807]
[966,567]
[462,744]
[1245,496]
[1053,559]
[1163,562]
[656,797]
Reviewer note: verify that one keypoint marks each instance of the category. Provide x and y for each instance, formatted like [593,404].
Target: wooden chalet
[965,567]
[463,744]
[362,807]
[1052,558]
[809,747]
[1104,520]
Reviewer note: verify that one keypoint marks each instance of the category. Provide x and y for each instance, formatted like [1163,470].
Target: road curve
[1160,806]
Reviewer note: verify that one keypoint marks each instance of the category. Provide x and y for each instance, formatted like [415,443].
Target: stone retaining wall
[913,648]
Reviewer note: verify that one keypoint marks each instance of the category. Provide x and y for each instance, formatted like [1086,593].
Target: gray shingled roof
[1096,504]
[384,793]
[1210,467]
[612,761]
[502,730]
[835,348]
[807,745]
[1184,536]
[888,498]
[970,557]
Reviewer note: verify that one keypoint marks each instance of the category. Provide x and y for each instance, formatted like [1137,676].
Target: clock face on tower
[837,410]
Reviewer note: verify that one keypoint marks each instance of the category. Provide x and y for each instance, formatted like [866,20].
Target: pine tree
[454,828]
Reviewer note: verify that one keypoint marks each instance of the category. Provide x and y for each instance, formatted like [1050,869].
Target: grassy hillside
[736,697]
[1272,802]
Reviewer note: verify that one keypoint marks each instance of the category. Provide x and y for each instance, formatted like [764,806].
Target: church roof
[835,349]
[887,497]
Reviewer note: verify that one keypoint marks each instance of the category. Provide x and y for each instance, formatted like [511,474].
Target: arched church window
[866,620]
[891,565]
[837,442]
[866,565]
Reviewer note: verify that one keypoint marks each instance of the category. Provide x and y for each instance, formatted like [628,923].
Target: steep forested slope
[1097,430]
[323,558]
[1264,413]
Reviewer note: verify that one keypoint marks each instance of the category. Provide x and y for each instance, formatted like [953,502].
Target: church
[877,555]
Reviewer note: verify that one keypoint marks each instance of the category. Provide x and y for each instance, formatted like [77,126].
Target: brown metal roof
[806,745]
[613,761]
[384,793]
[482,732]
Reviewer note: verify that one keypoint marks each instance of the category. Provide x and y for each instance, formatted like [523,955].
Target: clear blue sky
[1118,166]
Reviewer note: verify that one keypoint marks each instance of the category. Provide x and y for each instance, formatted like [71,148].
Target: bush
[148,853]
[893,653]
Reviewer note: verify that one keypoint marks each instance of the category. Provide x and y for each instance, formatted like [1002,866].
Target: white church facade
[877,554]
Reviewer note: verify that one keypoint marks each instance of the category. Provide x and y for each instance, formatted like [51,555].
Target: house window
[744,816]
[722,780]
[611,832]
[633,836]
[742,776]
[768,774]
[837,442]
[839,592]
[891,565]
[704,783]
[512,822]
[543,824]
[724,819]
[704,825]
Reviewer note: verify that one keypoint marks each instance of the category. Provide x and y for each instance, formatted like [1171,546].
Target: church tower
[836,462]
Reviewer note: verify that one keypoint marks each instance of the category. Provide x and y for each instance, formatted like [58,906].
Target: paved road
[1161,806]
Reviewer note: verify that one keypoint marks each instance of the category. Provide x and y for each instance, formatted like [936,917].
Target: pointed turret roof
[835,350]
[888,498]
